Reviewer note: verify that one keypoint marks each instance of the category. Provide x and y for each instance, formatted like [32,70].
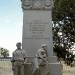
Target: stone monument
[19,60]
[37,30]
[37,25]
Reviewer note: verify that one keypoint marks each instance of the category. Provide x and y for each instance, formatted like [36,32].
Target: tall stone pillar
[37,27]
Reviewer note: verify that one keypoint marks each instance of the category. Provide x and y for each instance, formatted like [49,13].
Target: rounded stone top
[37,4]
[43,45]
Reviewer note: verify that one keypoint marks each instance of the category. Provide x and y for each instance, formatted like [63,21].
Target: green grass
[5,68]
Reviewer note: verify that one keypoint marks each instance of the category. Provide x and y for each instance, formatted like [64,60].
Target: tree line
[4,52]
[63,26]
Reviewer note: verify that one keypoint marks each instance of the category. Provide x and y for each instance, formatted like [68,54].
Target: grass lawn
[5,68]
[67,70]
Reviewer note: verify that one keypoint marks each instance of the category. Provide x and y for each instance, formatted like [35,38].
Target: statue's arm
[13,59]
[25,57]
[40,56]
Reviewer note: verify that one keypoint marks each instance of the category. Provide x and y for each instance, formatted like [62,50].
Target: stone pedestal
[37,30]
[37,26]
[28,69]
[55,69]
[53,59]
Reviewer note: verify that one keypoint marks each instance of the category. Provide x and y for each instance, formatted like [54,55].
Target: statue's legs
[44,70]
[18,69]
[22,69]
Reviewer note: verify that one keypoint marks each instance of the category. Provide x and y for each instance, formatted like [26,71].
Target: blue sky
[10,24]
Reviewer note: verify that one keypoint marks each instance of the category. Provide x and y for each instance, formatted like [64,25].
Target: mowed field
[5,68]
[67,70]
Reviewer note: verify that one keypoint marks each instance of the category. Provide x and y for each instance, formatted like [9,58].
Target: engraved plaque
[37,30]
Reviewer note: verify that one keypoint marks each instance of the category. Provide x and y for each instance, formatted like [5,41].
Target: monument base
[73,64]
[55,68]
[52,59]
[28,69]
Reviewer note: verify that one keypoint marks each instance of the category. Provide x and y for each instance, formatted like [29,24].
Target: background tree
[63,25]
[4,52]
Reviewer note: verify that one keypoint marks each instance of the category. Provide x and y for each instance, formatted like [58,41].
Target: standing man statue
[41,61]
[18,60]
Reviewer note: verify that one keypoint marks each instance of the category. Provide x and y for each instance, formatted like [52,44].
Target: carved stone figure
[48,4]
[36,4]
[18,60]
[41,62]
[26,4]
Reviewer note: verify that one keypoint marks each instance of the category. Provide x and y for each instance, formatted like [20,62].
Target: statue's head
[44,46]
[18,45]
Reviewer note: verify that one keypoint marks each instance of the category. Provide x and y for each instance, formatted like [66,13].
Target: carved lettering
[37,30]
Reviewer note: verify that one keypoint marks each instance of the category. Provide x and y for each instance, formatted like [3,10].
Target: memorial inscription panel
[37,31]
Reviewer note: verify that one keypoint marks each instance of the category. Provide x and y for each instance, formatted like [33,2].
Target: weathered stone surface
[37,30]
[28,69]
[55,68]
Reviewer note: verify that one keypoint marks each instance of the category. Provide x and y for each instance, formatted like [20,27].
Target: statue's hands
[13,68]
[37,67]
[12,61]
[24,62]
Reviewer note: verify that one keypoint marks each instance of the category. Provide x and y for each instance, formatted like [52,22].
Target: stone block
[55,68]
[52,59]
[27,69]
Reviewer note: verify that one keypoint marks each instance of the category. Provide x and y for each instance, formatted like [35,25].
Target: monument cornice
[37,4]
